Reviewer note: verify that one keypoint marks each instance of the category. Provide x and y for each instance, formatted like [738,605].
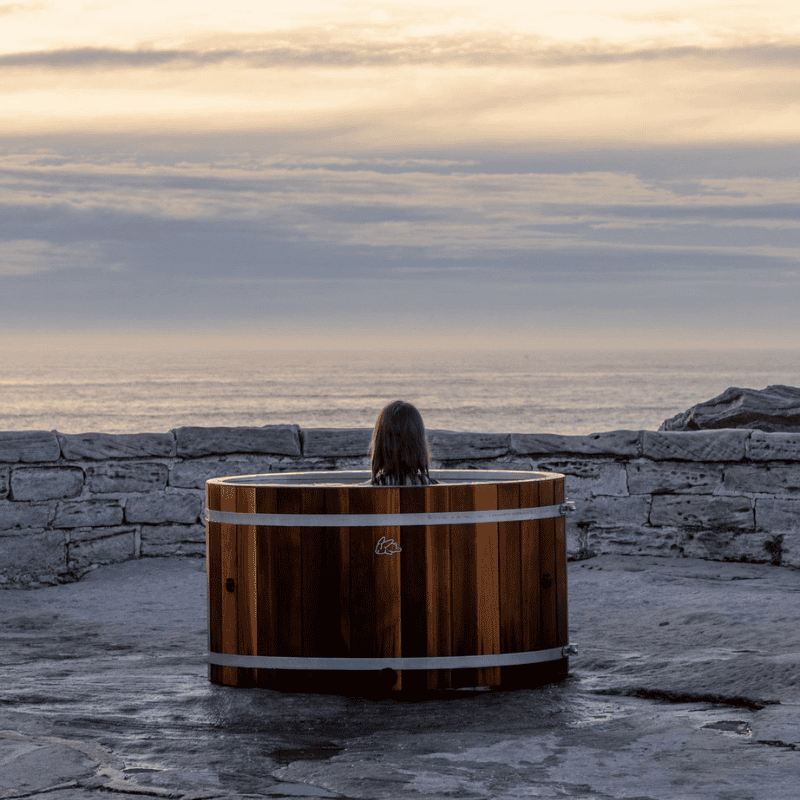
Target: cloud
[316,49]
[7,9]
[304,218]
[109,58]
[32,256]
[357,87]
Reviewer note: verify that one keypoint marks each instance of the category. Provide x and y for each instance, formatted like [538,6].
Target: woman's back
[399,449]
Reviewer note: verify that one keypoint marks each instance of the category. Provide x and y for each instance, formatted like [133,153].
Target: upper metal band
[386,520]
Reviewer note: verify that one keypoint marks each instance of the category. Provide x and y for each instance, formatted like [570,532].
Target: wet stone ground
[687,685]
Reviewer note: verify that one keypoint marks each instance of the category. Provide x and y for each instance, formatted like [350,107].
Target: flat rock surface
[686,685]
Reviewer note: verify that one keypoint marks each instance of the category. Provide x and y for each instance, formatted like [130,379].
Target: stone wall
[70,502]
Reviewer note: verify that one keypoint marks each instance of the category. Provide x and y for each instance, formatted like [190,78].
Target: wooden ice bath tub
[317,582]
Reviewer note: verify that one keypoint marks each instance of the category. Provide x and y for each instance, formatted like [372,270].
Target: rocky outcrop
[774,409]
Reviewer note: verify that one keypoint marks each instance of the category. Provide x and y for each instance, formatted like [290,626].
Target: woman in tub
[399,449]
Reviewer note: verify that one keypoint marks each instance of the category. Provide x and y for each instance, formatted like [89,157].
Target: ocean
[565,392]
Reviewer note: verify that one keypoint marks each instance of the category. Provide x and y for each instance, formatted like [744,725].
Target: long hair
[399,449]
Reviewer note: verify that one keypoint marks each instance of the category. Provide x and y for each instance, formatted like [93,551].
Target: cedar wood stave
[471,589]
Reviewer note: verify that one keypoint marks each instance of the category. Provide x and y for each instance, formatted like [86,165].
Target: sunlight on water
[563,392]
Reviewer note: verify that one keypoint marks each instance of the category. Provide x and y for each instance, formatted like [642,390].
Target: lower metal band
[433,662]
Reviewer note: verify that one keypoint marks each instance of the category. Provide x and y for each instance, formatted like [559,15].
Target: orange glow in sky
[624,172]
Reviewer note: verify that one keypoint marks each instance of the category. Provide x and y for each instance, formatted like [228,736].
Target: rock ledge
[774,409]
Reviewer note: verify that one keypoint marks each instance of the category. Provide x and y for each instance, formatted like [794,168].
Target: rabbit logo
[387,548]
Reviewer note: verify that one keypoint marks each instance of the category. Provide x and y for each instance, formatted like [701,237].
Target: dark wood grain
[562,637]
[288,575]
[438,587]
[529,569]
[332,627]
[314,636]
[338,558]
[246,585]
[363,600]
[511,639]
[547,570]
[267,601]
[465,585]
[315,594]
[413,592]
[215,582]
[387,569]
[228,556]
[488,583]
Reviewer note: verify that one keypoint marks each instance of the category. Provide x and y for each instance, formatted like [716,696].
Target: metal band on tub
[390,520]
[429,662]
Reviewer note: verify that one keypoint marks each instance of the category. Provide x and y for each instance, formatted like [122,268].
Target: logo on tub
[387,548]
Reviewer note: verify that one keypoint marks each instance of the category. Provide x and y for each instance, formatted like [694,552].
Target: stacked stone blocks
[69,502]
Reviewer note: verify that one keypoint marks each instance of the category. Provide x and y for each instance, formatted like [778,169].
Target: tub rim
[358,478]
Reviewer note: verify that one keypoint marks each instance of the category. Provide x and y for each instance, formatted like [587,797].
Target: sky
[622,173]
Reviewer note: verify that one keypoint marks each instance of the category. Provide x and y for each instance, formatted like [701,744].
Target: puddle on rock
[590,711]
[716,718]
[737,726]
[311,752]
